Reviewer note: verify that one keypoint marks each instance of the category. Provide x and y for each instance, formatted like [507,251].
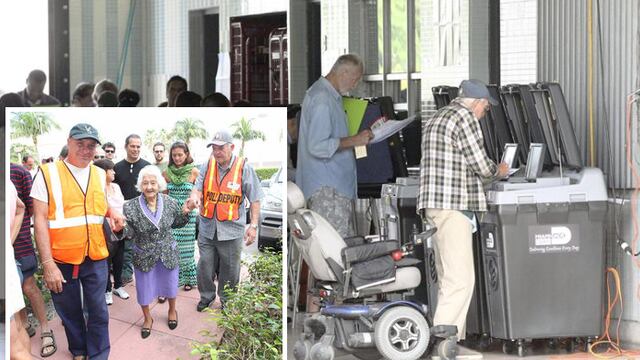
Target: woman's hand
[192,203]
[185,208]
[117,221]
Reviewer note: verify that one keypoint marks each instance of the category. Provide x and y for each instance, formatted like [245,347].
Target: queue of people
[105,93]
[83,233]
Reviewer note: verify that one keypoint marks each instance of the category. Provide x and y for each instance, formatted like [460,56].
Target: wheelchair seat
[358,269]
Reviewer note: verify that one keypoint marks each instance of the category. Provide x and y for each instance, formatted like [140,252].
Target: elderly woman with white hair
[150,218]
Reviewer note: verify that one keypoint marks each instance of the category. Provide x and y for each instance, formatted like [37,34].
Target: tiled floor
[125,322]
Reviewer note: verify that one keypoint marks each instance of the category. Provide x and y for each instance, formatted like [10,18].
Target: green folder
[355,109]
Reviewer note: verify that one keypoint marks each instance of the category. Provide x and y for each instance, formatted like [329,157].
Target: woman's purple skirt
[159,281]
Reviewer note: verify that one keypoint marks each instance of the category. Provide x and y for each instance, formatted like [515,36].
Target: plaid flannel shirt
[454,163]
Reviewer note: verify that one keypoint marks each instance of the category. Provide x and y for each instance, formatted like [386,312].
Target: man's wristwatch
[254,226]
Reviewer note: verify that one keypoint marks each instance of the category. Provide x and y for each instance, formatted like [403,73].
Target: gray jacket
[151,242]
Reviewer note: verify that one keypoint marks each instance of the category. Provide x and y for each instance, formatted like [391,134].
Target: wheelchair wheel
[402,333]
[447,349]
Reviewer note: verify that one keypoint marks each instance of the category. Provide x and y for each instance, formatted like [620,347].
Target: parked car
[270,229]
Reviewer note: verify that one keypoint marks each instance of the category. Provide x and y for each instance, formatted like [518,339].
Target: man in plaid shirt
[453,169]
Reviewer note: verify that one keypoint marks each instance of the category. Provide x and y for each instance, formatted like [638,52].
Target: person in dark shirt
[28,264]
[33,94]
[127,171]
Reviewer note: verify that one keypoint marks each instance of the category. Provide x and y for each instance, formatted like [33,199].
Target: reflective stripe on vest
[223,198]
[75,218]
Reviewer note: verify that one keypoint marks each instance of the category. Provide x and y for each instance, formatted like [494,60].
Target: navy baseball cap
[84,131]
[475,89]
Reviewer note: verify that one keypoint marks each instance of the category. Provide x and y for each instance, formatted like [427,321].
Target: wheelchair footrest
[444,331]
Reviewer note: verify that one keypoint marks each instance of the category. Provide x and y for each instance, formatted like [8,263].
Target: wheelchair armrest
[354,240]
[406,262]
[360,253]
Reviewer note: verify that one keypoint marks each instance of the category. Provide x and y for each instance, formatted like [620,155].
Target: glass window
[380,8]
[418,43]
[450,43]
[398,36]
[394,81]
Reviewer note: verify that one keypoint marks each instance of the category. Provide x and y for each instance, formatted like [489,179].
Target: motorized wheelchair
[363,288]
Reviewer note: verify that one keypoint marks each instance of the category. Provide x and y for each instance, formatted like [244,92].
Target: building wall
[159,43]
[563,57]
[518,41]
[298,67]
[629,271]
[434,72]
[334,30]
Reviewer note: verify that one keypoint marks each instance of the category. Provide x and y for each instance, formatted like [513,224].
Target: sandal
[48,344]
[31,330]
[187,287]
[145,332]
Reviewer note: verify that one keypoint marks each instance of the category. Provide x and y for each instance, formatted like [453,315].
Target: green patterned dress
[185,236]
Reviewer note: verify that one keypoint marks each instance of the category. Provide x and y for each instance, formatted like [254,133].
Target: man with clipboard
[326,162]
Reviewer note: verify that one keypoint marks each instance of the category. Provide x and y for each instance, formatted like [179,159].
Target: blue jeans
[90,338]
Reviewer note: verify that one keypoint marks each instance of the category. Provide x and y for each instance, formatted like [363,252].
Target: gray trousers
[221,256]
[338,210]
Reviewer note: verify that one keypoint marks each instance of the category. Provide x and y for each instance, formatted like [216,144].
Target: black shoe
[201,306]
[173,323]
[145,332]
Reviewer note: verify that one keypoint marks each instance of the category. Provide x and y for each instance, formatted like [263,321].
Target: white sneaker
[109,297]
[121,293]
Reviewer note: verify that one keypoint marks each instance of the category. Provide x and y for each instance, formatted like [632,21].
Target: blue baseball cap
[476,89]
[84,131]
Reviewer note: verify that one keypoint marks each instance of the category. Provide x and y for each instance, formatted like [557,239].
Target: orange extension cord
[614,350]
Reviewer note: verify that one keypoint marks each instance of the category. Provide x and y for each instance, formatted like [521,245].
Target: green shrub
[265,173]
[252,316]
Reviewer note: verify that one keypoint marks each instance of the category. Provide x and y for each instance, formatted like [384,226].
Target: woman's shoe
[145,332]
[173,323]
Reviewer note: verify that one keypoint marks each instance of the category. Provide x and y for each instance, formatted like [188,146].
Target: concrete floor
[536,351]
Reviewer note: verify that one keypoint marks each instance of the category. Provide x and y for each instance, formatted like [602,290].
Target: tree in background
[152,136]
[244,132]
[32,125]
[18,150]
[188,129]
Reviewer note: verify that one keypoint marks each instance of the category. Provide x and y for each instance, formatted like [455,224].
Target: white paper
[383,130]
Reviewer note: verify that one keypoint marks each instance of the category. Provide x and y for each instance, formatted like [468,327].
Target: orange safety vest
[75,218]
[223,198]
